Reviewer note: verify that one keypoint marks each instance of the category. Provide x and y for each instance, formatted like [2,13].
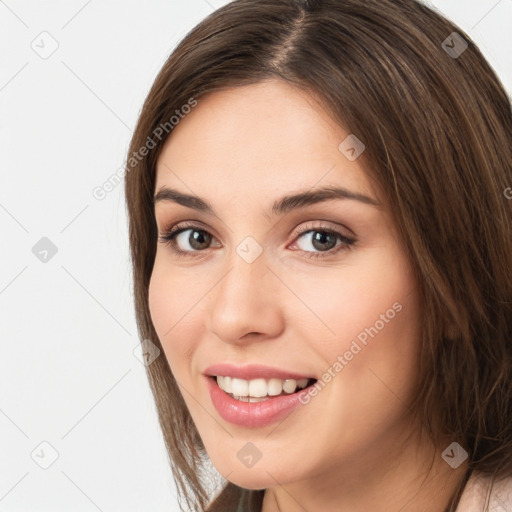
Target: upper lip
[252,371]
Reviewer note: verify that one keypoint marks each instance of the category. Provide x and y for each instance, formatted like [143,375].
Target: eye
[198,239]
[323,239]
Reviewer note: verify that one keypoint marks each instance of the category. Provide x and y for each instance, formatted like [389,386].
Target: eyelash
[169,239]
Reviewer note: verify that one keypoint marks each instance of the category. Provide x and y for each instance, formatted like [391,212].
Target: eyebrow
[280,207]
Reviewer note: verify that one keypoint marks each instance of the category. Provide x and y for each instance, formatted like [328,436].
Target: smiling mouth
[260,390]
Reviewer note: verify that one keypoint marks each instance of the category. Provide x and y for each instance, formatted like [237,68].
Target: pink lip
[252,371]
[251,414]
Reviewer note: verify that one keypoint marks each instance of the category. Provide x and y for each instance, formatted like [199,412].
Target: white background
[68,373]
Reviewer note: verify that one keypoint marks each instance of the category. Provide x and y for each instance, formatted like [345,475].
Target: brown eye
[187,239]
[197,239]
[190,240]
[323,241]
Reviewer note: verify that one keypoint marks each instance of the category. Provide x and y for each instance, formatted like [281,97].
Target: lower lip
[251,414]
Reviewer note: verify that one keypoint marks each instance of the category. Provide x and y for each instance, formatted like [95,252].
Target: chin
[250,481]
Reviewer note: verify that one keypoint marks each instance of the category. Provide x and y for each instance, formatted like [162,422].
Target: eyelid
[307,226]
[322,225]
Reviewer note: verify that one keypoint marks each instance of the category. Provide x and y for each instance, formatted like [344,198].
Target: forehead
[258,139]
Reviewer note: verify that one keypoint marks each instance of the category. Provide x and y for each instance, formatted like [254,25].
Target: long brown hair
[437,126]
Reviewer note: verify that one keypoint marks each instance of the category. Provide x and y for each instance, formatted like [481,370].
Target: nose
[247,302]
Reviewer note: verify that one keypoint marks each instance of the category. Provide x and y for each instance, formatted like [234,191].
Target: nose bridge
[247,280]
[245,300]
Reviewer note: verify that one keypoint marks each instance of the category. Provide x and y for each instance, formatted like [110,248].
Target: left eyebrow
[307,198]
[280,207]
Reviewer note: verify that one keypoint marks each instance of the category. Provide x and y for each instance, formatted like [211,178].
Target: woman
[321,241]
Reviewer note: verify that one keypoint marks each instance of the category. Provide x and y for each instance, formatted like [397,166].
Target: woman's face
[316,287]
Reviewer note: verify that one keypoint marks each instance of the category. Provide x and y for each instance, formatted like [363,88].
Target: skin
[352,447]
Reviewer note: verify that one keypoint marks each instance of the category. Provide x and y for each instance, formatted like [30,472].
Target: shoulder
[482,492]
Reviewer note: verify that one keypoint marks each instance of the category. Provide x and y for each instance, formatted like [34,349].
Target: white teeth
[240,387]
[227,384]
[289,385]
[257,389]
[275,387]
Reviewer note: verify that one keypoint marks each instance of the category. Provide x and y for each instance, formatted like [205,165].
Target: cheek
[370,317]
[171,306]
[371,357]
[378,292]
[160,300]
